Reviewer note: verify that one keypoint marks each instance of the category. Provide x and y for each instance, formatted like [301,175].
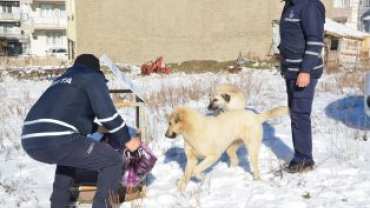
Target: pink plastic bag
[137,165]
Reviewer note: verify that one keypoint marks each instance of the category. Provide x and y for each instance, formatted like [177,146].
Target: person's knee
[117,160]
[301,106]
[117,166]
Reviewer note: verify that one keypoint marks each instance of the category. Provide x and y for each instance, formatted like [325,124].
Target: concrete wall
[71,20]
[141,30]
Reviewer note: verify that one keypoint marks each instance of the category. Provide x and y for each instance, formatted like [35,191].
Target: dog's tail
[273,113]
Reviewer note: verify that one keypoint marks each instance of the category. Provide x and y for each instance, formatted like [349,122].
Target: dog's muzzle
[211,107]
[171,136]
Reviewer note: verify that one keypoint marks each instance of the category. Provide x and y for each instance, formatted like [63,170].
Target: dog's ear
[226,97]
[177,117]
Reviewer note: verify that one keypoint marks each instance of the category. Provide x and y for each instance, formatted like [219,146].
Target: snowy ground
[341,150]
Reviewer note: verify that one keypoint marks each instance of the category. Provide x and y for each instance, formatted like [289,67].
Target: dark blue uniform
[55,132]
[302,39]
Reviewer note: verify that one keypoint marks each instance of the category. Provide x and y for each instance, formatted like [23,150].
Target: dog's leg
[231,152]
[206,163]
[192,161]
[254,147]
[253,154]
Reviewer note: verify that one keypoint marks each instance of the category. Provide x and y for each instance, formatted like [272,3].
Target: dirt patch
[200,66]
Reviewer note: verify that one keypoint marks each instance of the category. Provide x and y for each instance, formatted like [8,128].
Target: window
[62,12]
[366,3]
[366,25]
[26,48]
[46,10]
[334,44]
[6,8]
[53,38]
[341,3]
[9,29]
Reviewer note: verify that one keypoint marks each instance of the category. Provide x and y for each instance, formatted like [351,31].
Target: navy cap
[88,60]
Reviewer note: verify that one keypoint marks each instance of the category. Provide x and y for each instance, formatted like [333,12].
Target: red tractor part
[154,67]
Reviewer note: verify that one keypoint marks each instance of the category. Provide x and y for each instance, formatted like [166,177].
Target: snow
[340,131]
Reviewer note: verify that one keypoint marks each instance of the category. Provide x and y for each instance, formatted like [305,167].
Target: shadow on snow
[350,111]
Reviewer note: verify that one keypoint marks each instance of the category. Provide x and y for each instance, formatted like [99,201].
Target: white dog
[208,137]
[225,98]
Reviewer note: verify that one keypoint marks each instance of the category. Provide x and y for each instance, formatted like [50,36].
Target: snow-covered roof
[336,29]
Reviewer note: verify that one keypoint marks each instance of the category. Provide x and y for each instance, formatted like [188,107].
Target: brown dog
[209,137]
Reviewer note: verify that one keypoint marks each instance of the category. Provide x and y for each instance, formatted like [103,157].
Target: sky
[340,179]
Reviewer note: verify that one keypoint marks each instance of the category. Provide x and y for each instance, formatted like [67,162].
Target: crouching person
[56,127]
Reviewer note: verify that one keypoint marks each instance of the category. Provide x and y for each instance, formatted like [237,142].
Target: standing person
[302,39]
[55,131]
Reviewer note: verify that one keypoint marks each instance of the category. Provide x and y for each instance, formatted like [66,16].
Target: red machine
[154,67]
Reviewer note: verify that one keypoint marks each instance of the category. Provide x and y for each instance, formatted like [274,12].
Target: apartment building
[13,38]
[139,31]
[354,14]
[346,12]
[49,22]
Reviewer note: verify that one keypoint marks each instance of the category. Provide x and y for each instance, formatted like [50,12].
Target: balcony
[49,23]
[26,1]
[15,37]
[10,17]
[49,0]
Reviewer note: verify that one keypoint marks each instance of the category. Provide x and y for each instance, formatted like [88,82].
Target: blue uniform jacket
[69,107]
[302,38]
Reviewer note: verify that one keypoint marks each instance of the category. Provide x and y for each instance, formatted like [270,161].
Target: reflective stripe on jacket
[69,106]
[302,38]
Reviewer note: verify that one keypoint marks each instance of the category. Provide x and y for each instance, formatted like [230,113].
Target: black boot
[295,167]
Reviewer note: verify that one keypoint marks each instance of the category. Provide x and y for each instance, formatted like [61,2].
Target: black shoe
[295,167]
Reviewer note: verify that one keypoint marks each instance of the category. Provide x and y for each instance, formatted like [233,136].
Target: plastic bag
[137,165]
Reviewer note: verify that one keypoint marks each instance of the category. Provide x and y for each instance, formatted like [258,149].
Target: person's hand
[133,144]
[102,130]
[303,79]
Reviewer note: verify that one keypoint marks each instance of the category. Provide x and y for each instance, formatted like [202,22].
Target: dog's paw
[199,176]
[256,177]
[181,185]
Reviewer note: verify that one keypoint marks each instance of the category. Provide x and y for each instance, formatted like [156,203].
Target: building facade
[49,22]
[346,12]
[139,31]
[32,26]
[13,38]
[354,14]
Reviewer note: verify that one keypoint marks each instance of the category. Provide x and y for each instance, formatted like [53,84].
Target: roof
[339,30]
